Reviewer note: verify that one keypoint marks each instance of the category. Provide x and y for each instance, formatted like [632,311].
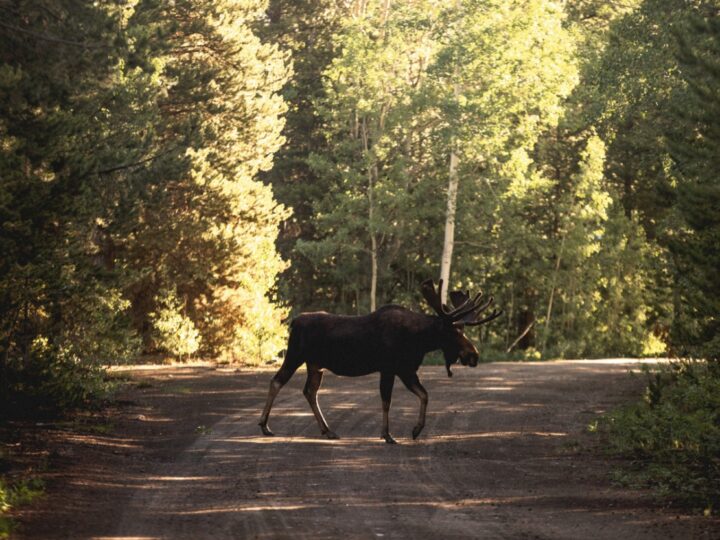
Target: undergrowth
[672,436]
[49,387]
[15,495]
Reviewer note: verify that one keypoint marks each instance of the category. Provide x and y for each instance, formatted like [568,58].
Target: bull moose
[391,340]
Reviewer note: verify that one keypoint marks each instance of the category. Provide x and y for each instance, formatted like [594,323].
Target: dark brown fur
[392,341]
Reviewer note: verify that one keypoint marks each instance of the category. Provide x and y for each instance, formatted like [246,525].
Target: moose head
[465,312]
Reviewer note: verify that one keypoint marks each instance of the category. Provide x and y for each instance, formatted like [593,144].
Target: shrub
[50,380]
[673,434]
[20,493]
[174,332]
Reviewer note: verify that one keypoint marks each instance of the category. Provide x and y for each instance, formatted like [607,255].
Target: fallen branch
[529,326]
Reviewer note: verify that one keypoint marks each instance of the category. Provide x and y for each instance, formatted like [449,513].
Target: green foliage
[368,213]
[390,119]
[216,115]
[673,435]
[305,28]
[15,495]
[62,310]
[260,339]
[131,137]
[542,219]
[5,523]
[694,240]
[204,227]
[651,91]
[174,333]
[49,380]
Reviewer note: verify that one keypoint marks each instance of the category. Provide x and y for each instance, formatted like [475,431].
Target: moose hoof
[266,430]
[416,431]
[331,435]
[388,439]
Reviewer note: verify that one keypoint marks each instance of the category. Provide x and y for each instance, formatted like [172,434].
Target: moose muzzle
[467,358]
[470,359]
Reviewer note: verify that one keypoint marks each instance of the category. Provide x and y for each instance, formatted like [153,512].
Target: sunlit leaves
[209,227]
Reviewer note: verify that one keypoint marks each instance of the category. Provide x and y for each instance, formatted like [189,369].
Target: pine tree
[205,228]
[372,211]
[305,28]
[500,77]
[61,307]
[695,242]
[131,136]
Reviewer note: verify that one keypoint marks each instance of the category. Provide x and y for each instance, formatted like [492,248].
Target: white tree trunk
[374,271]
[449,241]
[546,330]
[372,176]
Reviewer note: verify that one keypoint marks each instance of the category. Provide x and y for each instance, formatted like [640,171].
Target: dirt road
[505,454]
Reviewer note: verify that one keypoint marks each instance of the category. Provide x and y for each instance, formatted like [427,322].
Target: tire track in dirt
[183,496]
[218,486]
[491,463]
[443,486]
[416,500]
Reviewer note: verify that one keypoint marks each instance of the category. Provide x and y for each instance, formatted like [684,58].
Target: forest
[180,178]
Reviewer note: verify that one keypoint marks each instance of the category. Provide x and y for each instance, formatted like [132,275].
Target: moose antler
[472,318]
[432,296]
[494,315]
[463,306]
[457,298]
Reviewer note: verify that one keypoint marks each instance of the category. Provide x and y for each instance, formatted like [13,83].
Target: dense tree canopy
[131,139]
[552,124]
[179,177]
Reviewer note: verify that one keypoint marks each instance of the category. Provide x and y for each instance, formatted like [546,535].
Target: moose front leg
[314,380]
[276,383]
[387,380]
[413,384]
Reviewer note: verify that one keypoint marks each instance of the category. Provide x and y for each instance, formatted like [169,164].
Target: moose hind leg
[276,383]
[387,380]
[413,384]
[314,380]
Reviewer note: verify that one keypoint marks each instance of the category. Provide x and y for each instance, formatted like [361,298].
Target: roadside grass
[14,495]
[177,389]
[85,425]
[203,430]
[49,401]
[671,438]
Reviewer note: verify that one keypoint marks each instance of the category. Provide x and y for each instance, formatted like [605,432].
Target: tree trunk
[374,270]
[449,240]
[372,175]
[525,320]
[510,316]
[546,330]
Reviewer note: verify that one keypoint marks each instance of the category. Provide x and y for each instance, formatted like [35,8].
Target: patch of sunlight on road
[126,537]
[319,440]
[494,434]
[256,508]
[609,361]
[181,478]
[162,366]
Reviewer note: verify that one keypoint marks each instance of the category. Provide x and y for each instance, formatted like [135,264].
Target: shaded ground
[505,454]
